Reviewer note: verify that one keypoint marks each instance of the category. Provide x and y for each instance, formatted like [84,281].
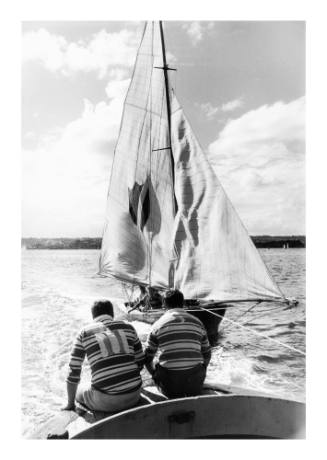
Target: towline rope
[256,332]
[128,296]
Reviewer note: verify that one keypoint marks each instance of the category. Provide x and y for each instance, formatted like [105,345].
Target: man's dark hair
[174,299]
[102,307]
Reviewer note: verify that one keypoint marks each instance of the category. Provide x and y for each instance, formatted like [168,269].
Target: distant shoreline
[262,241]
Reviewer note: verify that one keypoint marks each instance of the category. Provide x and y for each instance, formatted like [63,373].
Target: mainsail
[199,246]
[136,244]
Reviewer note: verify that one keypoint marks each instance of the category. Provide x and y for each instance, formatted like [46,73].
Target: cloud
[210,111]
[196,30]
[117,89]
[259,158]
[65,178]
[43,46]
[232,105]
[100,53]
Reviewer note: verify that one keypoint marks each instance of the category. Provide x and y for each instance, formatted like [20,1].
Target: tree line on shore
[260,241]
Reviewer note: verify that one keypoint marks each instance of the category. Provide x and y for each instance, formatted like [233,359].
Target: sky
[242,87]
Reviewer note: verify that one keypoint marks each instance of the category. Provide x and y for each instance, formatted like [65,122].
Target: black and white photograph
[163,229]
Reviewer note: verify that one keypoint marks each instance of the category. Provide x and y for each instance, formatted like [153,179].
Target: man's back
[114,353]
[180,339]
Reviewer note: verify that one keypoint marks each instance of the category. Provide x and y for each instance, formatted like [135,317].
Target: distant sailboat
[169,222]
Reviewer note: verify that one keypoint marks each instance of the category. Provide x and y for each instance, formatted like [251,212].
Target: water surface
[59,286]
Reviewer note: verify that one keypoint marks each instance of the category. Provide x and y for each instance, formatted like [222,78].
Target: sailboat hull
[148,317]
[210,321]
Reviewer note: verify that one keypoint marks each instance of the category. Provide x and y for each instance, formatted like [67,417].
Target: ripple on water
[276,359]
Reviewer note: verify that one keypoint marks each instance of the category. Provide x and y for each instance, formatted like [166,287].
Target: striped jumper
[179,339]
[114,353]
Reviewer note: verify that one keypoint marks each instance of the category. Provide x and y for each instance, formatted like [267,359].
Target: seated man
[153,299]
[116,358]
[149,299]
[139,300]
[184,350]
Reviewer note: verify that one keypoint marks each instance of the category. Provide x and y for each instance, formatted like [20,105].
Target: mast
[165,69]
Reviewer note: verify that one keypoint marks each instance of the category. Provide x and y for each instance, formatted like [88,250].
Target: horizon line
[100,237]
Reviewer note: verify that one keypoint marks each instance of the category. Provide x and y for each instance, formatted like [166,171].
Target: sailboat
[169,223]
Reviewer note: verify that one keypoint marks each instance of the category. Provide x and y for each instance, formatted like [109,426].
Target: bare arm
[71,393]
[74,375]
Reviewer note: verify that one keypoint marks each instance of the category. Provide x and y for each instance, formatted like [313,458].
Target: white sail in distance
[204,250]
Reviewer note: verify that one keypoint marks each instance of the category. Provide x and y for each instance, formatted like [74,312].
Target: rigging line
[128,296]
[125,291]
[258,333]
[210,308]
[216,308]
[253,318]
[132,281]
[248,310]
[232,301]
[262,314]
[258,316]
[150,161]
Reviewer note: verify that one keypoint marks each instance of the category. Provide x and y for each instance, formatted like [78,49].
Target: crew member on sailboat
[184,350]
[150,300]
[116,358]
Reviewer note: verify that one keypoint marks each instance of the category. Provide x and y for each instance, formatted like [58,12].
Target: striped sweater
[114,353]
[180,340]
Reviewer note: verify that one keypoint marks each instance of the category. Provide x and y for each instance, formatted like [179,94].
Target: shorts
[180,383]
[99,401]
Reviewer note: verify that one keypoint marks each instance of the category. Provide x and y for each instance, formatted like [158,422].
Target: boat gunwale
[185,401]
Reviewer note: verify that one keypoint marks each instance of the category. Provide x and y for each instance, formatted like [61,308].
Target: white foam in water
[229,369]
